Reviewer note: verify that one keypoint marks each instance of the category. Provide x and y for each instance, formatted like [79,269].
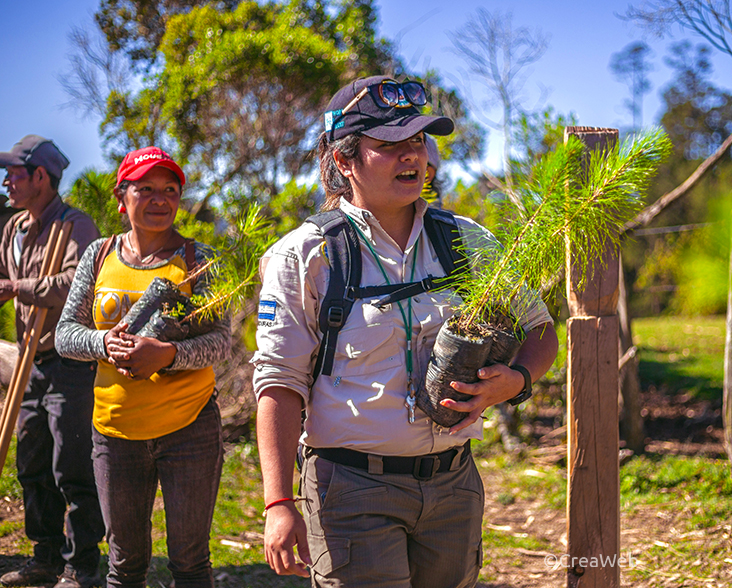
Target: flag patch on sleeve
[267,310]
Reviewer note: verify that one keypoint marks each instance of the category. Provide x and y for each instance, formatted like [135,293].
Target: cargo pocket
[328,553]
[473,572]
[468,494]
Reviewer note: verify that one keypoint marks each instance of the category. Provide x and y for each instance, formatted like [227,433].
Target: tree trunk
[631,422]
[727,388]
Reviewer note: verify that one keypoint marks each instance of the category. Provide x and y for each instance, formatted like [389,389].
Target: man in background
[54,426]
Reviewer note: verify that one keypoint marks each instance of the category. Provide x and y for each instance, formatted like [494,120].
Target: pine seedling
[233,273]
[567,206]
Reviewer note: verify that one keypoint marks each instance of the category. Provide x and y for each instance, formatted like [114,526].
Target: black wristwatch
[525,394]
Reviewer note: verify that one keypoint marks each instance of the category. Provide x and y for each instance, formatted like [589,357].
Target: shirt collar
[359,215]
[367,221]
[52,211]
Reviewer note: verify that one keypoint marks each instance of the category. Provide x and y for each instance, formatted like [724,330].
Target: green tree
[236,90]
[631,66]
[698,114]
[136,27]
[239,92]
[92,192]
[471,200]
[537,133]
[697,118]
[498,54]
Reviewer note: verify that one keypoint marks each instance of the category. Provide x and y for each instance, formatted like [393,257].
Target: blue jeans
[188,465]
[54,464]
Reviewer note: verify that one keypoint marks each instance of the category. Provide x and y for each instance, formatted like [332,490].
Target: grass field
[676,509]
[681,355]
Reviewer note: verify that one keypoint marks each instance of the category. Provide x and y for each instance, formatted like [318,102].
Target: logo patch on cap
[149,156]
[330,116]
[267,310]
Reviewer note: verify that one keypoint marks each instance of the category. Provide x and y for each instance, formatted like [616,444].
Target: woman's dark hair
[335,184]
[122,187]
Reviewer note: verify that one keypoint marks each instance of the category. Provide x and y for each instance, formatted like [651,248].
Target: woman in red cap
[155,414]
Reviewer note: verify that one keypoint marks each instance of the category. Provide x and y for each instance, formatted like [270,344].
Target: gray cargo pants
[392,530]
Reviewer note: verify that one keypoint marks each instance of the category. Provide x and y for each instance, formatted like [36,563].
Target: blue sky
[574,71]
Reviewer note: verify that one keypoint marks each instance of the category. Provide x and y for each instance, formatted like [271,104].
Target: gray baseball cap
[433,155]
[36,151]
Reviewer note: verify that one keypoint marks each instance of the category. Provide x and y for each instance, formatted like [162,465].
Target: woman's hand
[283,530]
[496,383]
[136,357]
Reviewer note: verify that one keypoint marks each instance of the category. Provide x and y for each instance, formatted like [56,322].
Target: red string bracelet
[278,501]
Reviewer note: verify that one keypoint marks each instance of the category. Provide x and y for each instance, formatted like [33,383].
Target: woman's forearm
[278,430]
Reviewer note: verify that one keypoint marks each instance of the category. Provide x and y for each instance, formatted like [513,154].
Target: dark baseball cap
[365,116]
[36,151]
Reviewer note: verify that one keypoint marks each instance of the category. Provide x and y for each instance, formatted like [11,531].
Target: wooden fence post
[593,487]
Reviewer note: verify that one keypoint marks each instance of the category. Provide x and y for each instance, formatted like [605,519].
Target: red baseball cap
[137,163]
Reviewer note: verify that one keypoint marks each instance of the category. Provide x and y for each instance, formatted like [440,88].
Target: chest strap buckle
[335,316]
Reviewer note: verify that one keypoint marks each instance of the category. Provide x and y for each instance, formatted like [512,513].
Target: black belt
[44,356]
[422,467]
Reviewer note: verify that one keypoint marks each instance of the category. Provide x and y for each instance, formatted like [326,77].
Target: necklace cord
[147,257]
[406,317]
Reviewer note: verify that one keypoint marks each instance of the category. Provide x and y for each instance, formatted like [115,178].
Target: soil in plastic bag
[150,315]
[457,359]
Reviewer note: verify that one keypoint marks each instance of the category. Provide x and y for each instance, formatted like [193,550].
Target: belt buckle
[417,471]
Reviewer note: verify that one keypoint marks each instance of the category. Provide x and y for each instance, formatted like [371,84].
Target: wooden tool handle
[52,258]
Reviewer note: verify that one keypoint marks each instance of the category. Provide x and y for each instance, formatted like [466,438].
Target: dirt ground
[675,426]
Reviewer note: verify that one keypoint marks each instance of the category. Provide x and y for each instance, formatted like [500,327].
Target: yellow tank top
[141,409]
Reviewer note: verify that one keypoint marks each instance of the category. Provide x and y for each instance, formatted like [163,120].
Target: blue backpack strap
[344,258]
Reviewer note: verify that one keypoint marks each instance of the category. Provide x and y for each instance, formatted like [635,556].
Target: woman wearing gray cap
[432,189]
[389,498]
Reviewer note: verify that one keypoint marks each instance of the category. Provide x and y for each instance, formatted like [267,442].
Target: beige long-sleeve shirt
[361,405]
[51,291]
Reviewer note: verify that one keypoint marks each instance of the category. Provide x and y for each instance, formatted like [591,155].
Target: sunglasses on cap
[391,94]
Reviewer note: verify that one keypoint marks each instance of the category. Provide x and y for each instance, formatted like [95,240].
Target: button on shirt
[361,404]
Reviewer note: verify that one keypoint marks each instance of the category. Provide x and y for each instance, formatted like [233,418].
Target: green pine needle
[567,207]
[233,273]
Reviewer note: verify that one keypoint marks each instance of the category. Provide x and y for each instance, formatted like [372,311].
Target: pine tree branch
[651,212]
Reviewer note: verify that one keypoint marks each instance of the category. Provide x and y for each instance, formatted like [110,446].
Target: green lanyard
[411,401]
